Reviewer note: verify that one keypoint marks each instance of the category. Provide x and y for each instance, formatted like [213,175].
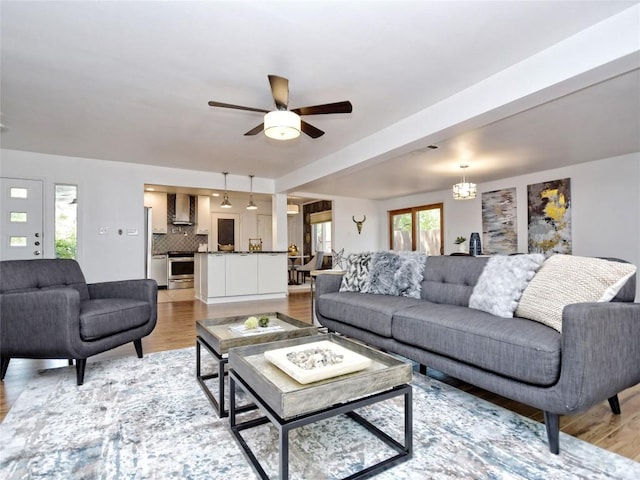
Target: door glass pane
[401,233]
[66,221]
[16,192]
[322,237]
[18,217]
[429,231]
[18,241]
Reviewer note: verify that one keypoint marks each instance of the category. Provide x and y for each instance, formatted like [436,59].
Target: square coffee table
[216,336]
[288,404]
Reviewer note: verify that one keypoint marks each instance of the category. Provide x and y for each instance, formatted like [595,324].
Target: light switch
[132,231]
[103,230]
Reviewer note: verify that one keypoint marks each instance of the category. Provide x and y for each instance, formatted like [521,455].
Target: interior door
[21,226]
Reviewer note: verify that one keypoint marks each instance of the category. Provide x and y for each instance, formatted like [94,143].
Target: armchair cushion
[107,316]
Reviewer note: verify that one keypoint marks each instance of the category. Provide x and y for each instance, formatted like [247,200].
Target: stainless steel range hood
[182,210]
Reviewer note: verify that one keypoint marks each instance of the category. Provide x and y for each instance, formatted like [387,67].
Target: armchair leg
[552,422]
[614,403]
[4,364]
[138,345]
[80,364]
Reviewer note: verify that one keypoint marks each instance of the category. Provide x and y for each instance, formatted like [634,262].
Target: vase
[462,248]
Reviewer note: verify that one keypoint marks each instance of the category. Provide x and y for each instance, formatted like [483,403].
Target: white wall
[605,197]
[111,194]
[345,232]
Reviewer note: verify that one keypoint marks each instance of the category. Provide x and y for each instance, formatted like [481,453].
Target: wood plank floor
[176,329]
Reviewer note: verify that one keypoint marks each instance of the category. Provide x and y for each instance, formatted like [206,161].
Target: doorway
[22,219]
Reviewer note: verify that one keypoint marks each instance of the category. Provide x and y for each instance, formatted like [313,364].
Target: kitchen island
[223,277]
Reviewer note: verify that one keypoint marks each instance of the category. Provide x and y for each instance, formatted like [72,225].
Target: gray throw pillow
[356,277]
[502,282]
[409,276]
[384,266]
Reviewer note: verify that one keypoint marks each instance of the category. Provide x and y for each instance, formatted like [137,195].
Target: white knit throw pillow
[566,279]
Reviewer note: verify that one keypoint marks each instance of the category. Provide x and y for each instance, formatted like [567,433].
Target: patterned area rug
[148,418]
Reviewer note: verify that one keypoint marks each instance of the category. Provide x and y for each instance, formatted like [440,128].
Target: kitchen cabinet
[272,272]
[241,274]
[158,203]
[158,271]
[203,215]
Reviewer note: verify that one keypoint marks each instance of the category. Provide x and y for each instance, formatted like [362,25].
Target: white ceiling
[130,81]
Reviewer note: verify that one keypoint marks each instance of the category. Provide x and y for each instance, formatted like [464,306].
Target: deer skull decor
[359,223]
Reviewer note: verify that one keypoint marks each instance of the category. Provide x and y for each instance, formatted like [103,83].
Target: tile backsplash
[180,238]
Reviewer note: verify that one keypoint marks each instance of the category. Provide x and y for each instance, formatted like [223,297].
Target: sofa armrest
[40,324]
[600,349]
[327,284]
[142,289]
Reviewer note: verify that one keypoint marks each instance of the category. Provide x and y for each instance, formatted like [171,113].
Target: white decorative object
[244,331]
[351,362]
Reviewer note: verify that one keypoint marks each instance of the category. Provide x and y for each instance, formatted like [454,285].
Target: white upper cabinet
[203,215]
[158,203]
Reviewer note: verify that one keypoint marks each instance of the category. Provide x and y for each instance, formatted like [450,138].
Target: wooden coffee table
[216,336]
[288,404]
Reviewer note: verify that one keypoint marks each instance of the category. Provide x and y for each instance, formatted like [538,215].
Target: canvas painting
[499,222]
[550,217]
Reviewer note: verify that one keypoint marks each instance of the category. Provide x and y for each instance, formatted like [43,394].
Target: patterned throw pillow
[566,279]
[409,276]
[356,277]
[384,265]
[502,282]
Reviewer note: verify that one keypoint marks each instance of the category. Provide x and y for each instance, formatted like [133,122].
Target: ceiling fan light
[293,209]
[282,125]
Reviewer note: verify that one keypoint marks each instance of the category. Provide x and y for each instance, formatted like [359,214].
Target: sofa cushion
[363,310]
[356,277]
[502,282]
[567,279]
[107,316]
[517,348]
[397,273]
[451,280]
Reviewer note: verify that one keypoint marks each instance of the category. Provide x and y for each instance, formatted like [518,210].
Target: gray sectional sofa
[593,358]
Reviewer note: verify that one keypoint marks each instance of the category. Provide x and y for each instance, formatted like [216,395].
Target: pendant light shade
[251,205]
[293,209]
[281,125]
[464,190]
[225,199]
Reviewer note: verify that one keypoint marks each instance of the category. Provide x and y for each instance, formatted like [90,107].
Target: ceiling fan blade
[280,91]
[337,107]
[310,130]
[256,130]
[236,107]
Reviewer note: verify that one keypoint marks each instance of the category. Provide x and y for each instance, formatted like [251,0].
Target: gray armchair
[47,310]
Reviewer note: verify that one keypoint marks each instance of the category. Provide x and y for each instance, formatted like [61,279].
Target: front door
[21,225]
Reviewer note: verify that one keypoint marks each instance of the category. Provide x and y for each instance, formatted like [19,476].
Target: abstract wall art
[550,217]
[499,222]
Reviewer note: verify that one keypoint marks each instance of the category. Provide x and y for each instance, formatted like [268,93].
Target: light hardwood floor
[177,314]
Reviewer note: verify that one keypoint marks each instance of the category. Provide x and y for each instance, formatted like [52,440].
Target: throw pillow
[409,276]
[566,279]
[384,265]
[356,277]
[502,282]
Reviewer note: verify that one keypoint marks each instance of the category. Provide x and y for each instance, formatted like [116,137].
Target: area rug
[148,419]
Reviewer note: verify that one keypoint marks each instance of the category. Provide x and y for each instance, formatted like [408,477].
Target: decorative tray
[244,331]
[316,361]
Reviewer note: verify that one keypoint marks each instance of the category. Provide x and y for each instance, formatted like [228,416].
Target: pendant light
[292,208]
[251,205]
[225,200]
[464,190]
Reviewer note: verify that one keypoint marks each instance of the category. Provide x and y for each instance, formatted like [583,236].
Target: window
[66,221]
[321,232]
[417,228]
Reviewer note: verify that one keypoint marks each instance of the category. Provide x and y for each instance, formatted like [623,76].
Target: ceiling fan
[284,124]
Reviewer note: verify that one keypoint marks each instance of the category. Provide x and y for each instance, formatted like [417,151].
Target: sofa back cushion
[46,273]
[451,279]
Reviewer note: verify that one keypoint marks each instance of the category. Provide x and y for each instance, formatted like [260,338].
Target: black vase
[475,248]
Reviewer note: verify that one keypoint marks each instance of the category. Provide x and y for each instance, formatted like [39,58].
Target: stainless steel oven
[180,270]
